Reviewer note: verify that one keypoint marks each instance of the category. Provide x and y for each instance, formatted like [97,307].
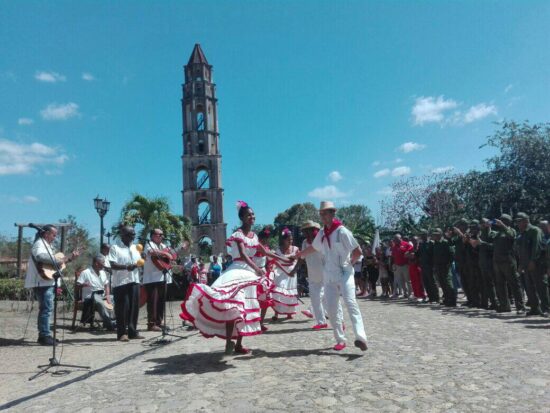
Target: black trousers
[155,303]
[373,274]
[126,309]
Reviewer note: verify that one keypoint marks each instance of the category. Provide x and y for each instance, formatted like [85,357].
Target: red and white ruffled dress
[232,297]
[285,292]
[264,293]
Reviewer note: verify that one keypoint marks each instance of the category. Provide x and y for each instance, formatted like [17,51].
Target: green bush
[12,289]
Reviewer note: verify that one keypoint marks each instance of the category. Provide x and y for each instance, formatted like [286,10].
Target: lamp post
[108,235]
[101,206]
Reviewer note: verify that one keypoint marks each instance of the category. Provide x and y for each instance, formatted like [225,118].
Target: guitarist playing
[157,260]
[43,286]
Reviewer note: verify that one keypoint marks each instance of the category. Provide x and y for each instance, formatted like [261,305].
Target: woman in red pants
[415,273]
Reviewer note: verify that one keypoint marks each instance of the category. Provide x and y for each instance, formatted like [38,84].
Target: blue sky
[317,99]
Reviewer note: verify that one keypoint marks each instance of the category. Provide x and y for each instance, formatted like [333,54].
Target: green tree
[149,213]
[296,215]
[358,219]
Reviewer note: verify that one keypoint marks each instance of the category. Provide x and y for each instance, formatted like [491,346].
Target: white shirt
[151,274]
[358,266]
[338,256]
[123,255]
[314,264]
[97,281]
[107,263]
[33,278]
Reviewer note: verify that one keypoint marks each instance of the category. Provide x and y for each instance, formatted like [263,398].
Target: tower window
[204,214]
[203,179]
[200,121]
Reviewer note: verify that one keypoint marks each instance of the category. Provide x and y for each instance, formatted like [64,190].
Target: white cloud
[478,112]
[443,169]
[431,109]
[25,121]
[376,163]
[17,159]
[335,176]
[88,77]
[382,172]
[327,192]
[30,199]
[49,77]
[56,111]
[400,171]
[385,191]
[508,88]
[398,160]
[410,147]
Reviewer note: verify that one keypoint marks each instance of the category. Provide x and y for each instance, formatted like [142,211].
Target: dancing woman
[285,293]
[229,309]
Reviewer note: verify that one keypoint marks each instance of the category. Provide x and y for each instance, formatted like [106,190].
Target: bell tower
[202,173]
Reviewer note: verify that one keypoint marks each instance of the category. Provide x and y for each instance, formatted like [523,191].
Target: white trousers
[346,288]
[402,279]
[317,296]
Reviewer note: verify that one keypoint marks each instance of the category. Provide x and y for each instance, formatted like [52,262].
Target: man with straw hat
[315,276]
[340,251]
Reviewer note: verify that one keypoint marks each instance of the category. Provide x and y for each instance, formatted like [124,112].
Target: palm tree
[149,213]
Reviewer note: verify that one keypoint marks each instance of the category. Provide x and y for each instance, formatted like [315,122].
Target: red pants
[416,280]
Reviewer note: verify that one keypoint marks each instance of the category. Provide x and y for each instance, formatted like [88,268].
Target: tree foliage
[358,219]
[150,213]
[517,178]
[296,215]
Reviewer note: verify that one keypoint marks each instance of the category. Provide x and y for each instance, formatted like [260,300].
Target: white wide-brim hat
[310,224]
[325,205]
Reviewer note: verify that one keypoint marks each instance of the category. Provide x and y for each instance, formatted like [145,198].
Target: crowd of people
[492,263]
[495,263]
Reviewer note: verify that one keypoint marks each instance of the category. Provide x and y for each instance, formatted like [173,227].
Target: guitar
[47,271]
[163,262]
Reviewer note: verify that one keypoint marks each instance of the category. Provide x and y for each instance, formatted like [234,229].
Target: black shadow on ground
[195,363]
[298,353]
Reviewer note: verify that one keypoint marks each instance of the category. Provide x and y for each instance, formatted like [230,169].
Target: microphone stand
[162,339]
[53,361]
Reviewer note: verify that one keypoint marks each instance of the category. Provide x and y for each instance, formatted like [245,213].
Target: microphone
[36,227]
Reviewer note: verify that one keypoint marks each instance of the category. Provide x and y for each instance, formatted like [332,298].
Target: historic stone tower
[202,171]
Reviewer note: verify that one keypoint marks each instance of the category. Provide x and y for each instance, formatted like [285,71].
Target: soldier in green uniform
[442,259]
[472,264]
[461,228]
[425,255]
[532,261]
[505,266]
[485,245]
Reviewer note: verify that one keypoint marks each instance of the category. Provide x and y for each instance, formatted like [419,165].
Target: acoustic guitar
[47,271]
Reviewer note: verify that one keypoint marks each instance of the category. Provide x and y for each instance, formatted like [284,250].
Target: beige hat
[310,224]
[327,205]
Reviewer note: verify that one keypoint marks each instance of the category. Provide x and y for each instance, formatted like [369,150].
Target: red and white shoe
[319,326]
[307,313]
[264,328]
[339,346]
[241,350]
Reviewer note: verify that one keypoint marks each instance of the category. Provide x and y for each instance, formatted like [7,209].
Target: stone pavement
[421,358]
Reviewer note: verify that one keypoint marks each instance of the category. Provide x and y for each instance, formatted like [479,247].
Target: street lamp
[101,206]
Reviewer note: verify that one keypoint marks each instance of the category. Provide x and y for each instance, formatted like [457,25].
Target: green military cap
[485,220]
[506,218]
[462,221]
[437,231]
[474,223]
[520,216]
[424,232]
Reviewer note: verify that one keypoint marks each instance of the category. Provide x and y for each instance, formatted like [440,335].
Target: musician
[125,280]
[153,278]
[43,288]
[96,292]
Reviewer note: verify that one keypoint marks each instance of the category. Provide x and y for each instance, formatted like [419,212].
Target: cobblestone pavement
[421,358]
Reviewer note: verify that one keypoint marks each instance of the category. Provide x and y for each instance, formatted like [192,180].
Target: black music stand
[53,361]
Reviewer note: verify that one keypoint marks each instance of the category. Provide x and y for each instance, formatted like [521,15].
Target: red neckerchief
[327,231]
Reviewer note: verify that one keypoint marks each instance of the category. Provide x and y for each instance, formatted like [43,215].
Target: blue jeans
[44,295]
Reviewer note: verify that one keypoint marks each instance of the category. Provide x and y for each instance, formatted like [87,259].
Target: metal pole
[101,229]
[19,250]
